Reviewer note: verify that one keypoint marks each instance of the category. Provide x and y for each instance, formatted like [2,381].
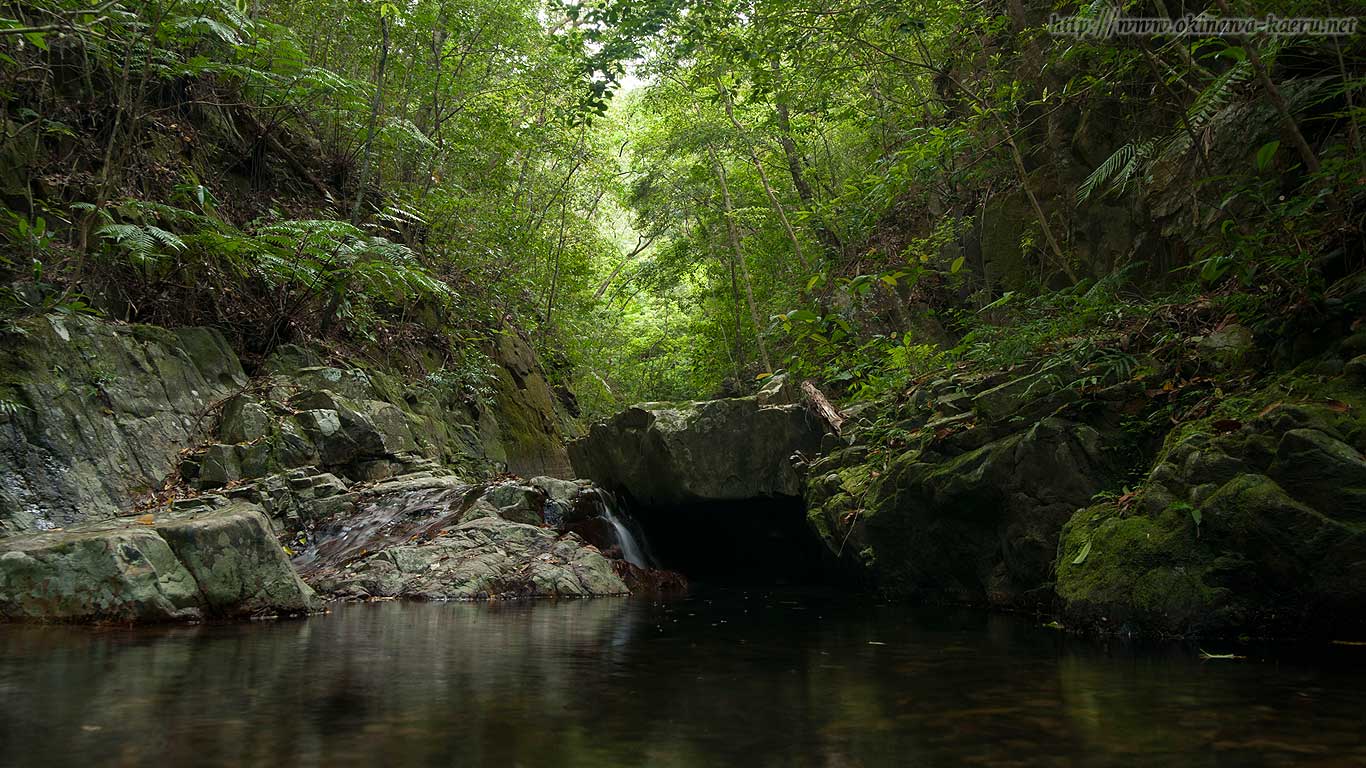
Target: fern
[144,243]
[1131,161]
[11,407]
[1106,171]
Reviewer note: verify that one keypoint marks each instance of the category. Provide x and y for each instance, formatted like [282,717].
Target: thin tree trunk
[763,178]
[374,118]
[1311,161]
[795,167]
[733,235]
[736,353]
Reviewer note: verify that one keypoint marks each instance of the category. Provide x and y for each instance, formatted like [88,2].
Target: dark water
[746,680]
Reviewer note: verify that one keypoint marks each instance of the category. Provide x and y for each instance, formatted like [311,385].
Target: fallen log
[818,402]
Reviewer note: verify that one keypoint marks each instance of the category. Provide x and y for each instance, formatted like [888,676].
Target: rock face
[673,454]
[95,415]
[1256,527]
[100,412]
[216,564]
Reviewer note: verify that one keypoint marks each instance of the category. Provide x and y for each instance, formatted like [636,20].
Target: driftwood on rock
[822,406]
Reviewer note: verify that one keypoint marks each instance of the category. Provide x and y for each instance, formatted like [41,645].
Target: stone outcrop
[438,538]
[673,454]
[336,466]
[1254,527]
[99,413]
[96,415]
[969,510]
[178,566]
[486,557]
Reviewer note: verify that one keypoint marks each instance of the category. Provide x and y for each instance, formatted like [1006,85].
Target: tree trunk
[733,235]
[374,119]
[763,179]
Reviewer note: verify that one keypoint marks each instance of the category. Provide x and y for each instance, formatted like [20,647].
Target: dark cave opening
[750,542]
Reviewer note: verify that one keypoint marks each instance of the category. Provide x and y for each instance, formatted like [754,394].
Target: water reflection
[742,679]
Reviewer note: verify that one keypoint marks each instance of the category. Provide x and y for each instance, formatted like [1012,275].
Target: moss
[1148,572]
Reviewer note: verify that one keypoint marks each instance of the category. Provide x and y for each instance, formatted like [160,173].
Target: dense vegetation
[675,199]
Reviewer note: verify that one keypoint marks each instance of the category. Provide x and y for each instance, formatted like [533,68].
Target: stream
[721,677]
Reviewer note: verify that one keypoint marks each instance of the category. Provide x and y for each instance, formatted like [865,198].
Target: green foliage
[862,193]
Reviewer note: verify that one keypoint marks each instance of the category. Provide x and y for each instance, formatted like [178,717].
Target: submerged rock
[216,563]
[671,454]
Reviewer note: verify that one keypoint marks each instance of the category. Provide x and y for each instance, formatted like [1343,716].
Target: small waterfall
[632,548]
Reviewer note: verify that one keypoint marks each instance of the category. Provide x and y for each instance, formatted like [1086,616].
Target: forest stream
[734,676]
[682,383]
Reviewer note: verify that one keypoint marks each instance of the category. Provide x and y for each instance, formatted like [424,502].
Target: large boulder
[955,520]
[98,413]
[217,563]
[673,454]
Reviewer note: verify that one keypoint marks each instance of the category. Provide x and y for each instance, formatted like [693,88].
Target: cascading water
[633,548]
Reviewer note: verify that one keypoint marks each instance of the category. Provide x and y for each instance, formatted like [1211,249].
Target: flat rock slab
[443,539]
[217,564]
[671,454]
[487,557]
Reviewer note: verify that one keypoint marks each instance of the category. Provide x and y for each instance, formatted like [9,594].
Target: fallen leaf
[147,519]
[1221,656]
[1270,408]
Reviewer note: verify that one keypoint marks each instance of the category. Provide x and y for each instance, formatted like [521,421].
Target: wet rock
[487,557]
[650,581]
[667,454]
[1250,531]
[183,565]
[980,526]
[1355,370]
[1228,348]
[218,466]
[237,564]
[779,390]
[244,420]
[517,502]
[1323,471]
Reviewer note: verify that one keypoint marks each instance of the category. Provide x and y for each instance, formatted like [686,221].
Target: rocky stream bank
[147,477]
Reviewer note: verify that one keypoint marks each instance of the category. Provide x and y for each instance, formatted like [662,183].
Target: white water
[631,549]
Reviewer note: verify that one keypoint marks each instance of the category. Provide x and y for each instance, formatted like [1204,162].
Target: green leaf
[38,39]
[957,265]
[1081,556]
[1266,154]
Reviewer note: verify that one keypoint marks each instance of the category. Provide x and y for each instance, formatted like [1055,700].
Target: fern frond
[1105,171]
